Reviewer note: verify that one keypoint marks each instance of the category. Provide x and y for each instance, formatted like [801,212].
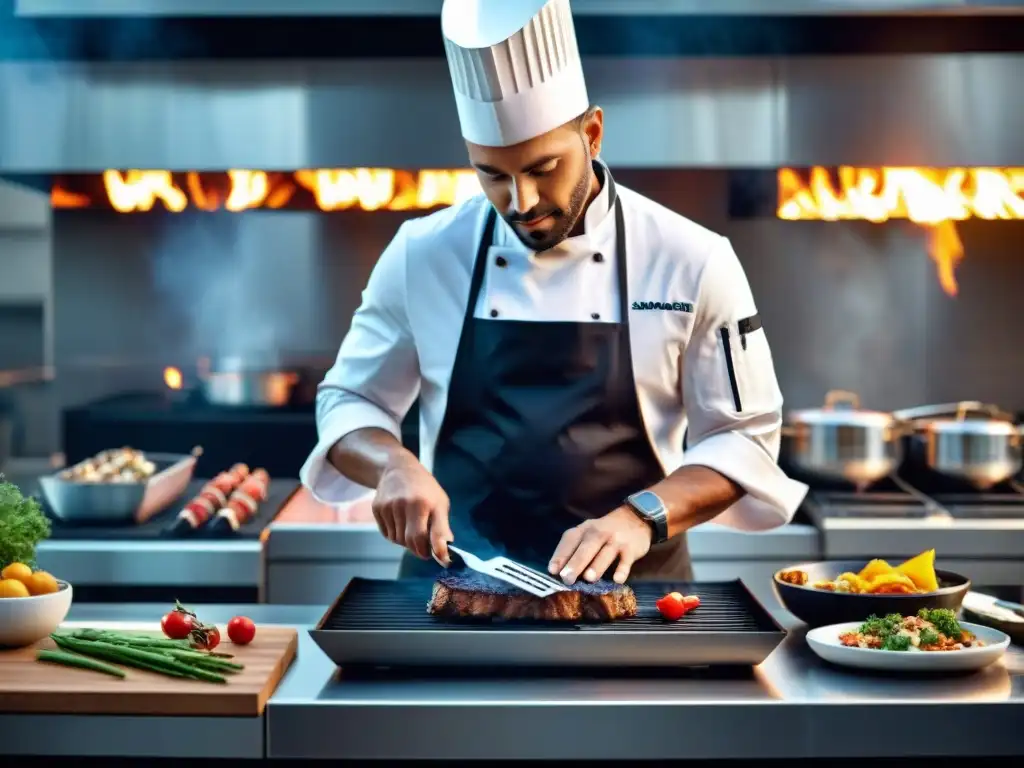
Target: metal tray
[73,501]
[385,623]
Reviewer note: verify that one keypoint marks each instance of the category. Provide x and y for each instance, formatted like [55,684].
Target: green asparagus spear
[150,660]
[76,660]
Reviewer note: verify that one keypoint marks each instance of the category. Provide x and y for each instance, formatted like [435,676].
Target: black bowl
[819,607]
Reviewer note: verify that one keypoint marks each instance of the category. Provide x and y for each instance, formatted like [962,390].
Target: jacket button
[501,261]
[598,257]
[494,313]
[594,316]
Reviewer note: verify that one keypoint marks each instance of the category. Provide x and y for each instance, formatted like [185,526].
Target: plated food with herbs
[929,631]
[928,641]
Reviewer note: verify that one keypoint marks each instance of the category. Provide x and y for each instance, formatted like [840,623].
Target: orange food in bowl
[42,583]
[13,588]
[921,570]
[874,569]
[18,571]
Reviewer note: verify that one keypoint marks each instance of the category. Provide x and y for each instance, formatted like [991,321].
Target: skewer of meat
[214,495]
[244,501]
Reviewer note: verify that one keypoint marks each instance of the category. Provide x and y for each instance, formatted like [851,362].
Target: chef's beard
[565,221]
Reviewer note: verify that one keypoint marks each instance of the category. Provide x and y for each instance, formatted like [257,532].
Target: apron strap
[620,256]
[480,264]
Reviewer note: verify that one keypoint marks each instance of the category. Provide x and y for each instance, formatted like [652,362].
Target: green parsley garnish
[944,621]
[22,526]
[928,636]
[896,643]
[881,627]
[888,630]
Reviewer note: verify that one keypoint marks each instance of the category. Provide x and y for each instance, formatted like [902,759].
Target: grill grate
[401,606]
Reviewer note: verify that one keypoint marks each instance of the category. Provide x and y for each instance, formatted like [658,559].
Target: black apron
[543,430]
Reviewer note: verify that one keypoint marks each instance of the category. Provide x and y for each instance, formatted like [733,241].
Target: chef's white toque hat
[515,68]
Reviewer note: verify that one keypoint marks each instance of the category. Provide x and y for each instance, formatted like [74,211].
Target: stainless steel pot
[233,382]
[841,442]
[967,441]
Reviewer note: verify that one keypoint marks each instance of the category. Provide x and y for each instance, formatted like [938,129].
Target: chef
[564,335]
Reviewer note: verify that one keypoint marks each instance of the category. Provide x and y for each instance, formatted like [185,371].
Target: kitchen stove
[888,498]
[898,498]
[383,622]
[996,504]
[975,532]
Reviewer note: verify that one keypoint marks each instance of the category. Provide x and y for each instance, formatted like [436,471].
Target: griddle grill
[385,623]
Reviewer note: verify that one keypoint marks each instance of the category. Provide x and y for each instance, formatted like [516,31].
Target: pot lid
[842,409]
[842,417]
[954,426]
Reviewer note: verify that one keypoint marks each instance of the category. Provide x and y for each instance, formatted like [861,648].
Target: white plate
[824,641]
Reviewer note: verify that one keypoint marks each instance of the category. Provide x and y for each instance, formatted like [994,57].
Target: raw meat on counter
[473,595]
[244,501]
[213,496]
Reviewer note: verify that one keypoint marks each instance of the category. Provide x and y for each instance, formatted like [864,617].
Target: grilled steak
[471,594]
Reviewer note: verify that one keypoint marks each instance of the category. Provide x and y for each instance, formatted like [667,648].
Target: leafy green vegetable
[896,642]
[929,636]
[888,629]
[944,621]
[881,627]
[22,526]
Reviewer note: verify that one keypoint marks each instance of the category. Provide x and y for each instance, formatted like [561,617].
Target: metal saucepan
[841,442]
[233,381]
[967,441]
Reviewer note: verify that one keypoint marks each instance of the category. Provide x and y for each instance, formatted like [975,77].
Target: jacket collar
[598,223]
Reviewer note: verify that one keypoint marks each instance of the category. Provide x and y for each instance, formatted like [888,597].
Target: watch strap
[656,518]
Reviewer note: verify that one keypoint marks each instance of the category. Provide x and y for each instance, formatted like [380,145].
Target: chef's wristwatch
[652,511]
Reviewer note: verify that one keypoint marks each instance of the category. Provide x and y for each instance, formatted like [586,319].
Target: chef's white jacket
[404,336]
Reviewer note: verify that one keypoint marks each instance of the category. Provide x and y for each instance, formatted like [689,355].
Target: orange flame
[931,197]
[368,189]
[62,198]
[173,378]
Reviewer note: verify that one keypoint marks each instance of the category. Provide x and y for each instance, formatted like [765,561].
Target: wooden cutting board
[30,686]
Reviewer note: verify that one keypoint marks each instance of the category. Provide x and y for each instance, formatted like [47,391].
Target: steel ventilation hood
[942,110]
[754,8]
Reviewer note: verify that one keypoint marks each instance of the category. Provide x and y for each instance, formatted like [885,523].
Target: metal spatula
[516,574]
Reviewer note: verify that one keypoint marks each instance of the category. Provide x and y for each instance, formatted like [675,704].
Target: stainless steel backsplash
[940,109]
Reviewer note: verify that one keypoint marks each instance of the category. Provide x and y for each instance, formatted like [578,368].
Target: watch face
[647,503]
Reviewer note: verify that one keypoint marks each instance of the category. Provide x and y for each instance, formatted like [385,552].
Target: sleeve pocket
[749,365]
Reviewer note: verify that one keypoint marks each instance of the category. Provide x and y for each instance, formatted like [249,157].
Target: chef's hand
[592,546]
[411,510]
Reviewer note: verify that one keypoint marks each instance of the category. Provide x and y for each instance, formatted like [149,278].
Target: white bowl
[26,620]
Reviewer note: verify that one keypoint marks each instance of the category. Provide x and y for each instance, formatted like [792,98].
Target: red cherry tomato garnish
[205,638]
[671,606]
[674,605]
[177,625]
[241,630]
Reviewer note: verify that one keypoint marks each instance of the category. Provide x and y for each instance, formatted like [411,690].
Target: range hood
[758,113]
[754,8]
[199,85]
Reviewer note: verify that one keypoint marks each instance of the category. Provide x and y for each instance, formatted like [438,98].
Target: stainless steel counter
[170,562]
[792,706]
